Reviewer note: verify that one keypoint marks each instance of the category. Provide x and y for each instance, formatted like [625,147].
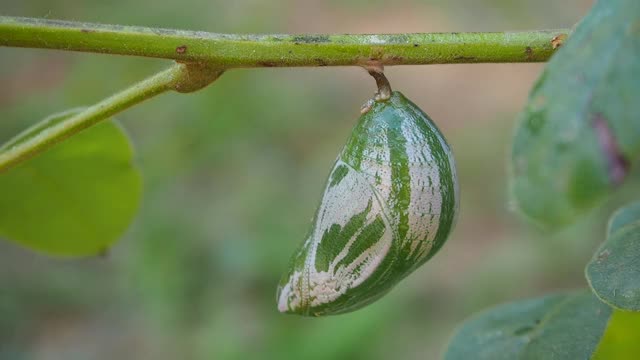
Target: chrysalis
[388,206]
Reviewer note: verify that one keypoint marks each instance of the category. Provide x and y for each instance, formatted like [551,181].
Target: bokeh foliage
[575,141]
[232,175]
[579,133]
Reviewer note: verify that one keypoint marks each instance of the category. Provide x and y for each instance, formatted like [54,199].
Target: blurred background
[234,172]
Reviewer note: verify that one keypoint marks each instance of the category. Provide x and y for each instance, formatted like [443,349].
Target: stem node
[195,76]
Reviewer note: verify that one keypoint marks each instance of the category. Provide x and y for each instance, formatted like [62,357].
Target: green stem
[280,50]
[179,77]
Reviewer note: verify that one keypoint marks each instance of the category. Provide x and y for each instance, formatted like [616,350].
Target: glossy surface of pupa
[388,206]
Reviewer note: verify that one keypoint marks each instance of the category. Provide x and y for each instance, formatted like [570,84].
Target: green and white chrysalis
[389,204]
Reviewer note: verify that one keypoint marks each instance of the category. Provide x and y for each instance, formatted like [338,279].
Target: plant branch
[204,56]
[230,51]
[179,77]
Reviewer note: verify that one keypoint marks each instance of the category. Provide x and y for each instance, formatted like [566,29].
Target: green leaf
[623,217]
[622,339]
[76,198]
[564,326]
[614,271]
[580,130]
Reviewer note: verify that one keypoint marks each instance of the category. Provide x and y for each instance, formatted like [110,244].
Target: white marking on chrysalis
[340,202]
[376,170]
[289,298]
[424,208]
[366,106]
[425,198]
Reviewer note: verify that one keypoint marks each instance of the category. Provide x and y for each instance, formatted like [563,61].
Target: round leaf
[614,271]
[75,199]
[579,132]
[567,326]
